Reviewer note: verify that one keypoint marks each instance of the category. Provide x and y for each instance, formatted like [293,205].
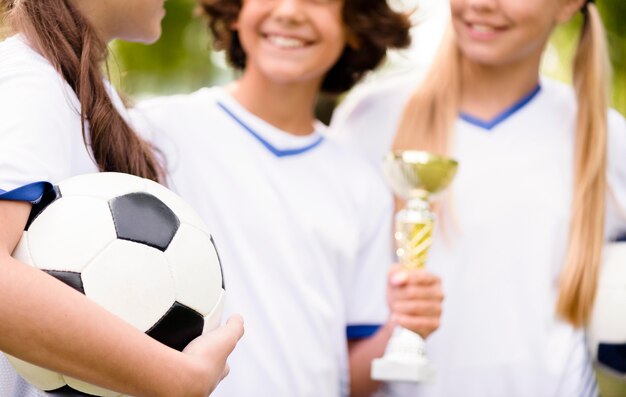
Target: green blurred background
[182,61]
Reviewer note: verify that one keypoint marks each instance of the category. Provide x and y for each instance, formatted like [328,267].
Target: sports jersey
[501,242]
[303,232]
[40,140]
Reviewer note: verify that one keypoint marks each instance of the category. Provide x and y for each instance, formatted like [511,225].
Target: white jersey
[40,140]
[302,229]
[503,245]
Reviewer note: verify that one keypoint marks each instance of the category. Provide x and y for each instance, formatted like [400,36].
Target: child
[302,224]
[60,117]
[541,186]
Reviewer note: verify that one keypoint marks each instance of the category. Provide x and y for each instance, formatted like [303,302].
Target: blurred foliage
[565,38]
[181,61]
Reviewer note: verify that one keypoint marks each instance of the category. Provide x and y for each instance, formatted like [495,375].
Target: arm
[414,298]
[44,314]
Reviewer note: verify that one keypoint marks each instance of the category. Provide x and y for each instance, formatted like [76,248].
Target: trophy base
[404,359]
[384,369]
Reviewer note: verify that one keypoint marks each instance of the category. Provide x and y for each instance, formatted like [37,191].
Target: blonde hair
[579,279]
[428,124]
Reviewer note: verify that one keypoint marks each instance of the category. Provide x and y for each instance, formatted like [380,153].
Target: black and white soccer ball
[606,332]
[135,248]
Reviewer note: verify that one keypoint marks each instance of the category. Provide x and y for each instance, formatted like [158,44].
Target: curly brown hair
[374,26]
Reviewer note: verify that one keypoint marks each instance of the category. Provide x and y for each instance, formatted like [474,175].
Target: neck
[489,90]
[289,107]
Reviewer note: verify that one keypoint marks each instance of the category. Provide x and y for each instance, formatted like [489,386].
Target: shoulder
[557,96]
[169,113]
[171,106]
[374,99]
[617,140]
[26,78]
[34,98]
[369,117]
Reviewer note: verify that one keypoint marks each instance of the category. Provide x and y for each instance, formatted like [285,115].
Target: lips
[483,31]
[285,41]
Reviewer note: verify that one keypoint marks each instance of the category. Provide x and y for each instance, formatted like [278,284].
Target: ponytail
[591,75]
[72,46]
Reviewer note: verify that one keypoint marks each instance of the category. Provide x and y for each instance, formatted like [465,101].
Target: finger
[225,372]
[417,308]
[416,292]
[421,325]
[421,277]
[222,341]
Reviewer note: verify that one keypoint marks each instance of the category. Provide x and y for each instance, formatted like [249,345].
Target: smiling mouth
[482,28]
[286,42]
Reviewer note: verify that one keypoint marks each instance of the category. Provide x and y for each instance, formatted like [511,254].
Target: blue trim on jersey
[491,124]
[621,238]
[275,151]
[31,192]
[361,331]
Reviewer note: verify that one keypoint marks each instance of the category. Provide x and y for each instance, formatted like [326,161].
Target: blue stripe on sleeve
[31,192]
[361,331]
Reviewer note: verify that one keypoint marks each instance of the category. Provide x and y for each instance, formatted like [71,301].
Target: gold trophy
[414,176]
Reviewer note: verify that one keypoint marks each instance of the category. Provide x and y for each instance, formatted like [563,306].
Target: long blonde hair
[428,124]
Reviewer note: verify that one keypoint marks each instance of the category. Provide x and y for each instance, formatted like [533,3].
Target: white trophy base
[404,360]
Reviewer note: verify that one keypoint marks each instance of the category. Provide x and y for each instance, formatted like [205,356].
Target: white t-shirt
[303,232]
[40,140]
[504,243]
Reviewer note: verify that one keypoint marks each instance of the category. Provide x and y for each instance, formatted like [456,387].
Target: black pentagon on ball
[73,279]
[143,218]
[179,326]
[67,391]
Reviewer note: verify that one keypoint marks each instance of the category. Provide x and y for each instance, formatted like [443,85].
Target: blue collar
[491,124]
[275,151]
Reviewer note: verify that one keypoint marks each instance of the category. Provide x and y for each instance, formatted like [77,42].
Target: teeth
[286,42]
[483,28]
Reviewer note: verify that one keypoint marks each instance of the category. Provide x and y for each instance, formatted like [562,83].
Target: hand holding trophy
[414,176]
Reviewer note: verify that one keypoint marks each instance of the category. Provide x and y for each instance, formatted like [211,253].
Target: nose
[290,11]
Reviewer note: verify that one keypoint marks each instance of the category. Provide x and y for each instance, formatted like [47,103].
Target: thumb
[227,336]
[220,342]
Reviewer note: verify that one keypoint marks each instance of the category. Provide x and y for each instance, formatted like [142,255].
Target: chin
[146,36]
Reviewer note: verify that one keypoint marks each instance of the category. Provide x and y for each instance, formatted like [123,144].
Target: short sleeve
[616,177]
[36,126]
[366,297]
[368,119]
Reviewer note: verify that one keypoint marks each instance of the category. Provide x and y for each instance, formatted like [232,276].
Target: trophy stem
[414,228]
[405,357]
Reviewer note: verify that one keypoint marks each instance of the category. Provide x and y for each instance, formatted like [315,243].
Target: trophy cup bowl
[415,176]
[419,174]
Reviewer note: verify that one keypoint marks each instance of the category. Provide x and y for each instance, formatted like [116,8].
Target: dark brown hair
[71,45]
[372,24]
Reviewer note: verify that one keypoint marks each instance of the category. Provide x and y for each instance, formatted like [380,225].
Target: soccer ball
[606,333]
[133,247]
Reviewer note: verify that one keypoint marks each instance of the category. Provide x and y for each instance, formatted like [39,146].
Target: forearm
[361,354]
[39,312]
